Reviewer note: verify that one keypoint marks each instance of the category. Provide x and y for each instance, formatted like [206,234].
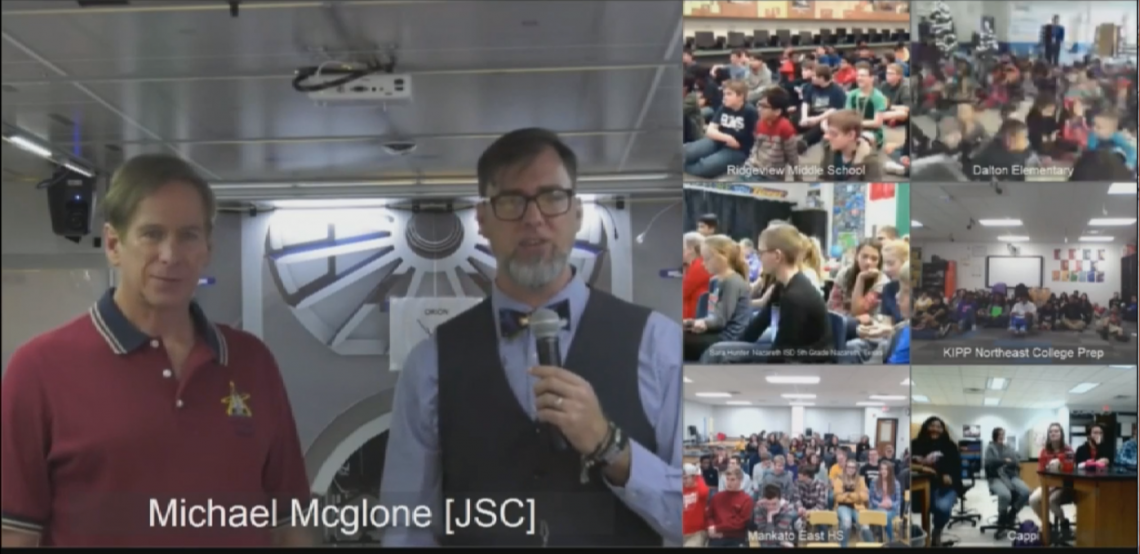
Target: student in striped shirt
[775,152]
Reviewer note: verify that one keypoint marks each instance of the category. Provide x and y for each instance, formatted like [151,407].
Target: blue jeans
[848,523]
[710,159]
[892,514]
[941,505]
[1018,324]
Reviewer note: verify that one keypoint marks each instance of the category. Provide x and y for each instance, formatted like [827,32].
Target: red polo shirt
[97,433]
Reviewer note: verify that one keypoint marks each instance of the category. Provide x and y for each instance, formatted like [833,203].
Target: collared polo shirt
[99,436]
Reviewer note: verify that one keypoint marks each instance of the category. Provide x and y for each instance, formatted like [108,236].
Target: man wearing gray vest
[596,444]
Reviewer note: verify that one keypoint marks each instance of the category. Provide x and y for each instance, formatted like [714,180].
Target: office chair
[1001,530]
[962,515]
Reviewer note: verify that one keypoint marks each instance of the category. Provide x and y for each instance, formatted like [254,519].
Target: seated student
[1075,128]
[965,318]
[695,496]
[899,347]
[728,137]
[758,78]
[1005,155]
[775,153]
[728,311]
[1096,449]
[886,493]
[1021,316]
[850,497]
[936,318]
[1126,458]
[826,55]
[709,472]
[896,89]
[1051,458]
[746,483]
[1044,127]
[1047,315]
[999,312]
[863,54]
[774,519]
[847,154]
[1112,328]
[869,470]
[845,75]
[779,476]
[935,453]
[804,328]
[902,58]
[1107,134]
[859,287]
[1003,474]
[692,119]
[730,513]
[812,491]
[1130,312]
[867,101]
[1073,315]
[822,97]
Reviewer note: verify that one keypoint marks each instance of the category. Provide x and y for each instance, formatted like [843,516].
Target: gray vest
[492,449]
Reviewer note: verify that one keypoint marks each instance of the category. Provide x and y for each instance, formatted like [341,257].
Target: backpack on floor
[1028,535]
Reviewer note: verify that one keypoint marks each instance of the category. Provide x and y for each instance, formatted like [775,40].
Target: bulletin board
[1079,265]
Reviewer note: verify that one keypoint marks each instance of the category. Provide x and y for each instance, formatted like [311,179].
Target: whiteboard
[37,301]
[1015,270]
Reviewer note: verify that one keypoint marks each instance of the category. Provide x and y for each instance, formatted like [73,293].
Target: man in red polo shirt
[142,405]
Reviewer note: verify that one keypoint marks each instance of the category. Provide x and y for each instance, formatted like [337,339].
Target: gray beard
[538,274]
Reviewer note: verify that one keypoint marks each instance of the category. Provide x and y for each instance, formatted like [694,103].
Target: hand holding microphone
[564,400]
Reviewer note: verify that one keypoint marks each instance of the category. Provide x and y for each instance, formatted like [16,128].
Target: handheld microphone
[545,324]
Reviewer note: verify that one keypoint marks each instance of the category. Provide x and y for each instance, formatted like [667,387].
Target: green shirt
[869,106]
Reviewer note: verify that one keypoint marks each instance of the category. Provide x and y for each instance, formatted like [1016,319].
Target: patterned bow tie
[513,322]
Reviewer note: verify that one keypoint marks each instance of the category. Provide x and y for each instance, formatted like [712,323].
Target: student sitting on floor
[776,151]
[1073,315]
[1021,316]
[848,155]
[845,75]
[869,102]
[728,137]
[935,318]
[1005,156]
[1107,134]
[1112,328]
[1047,316]
[728,311]
[820,97]
[999,312]
[896,89]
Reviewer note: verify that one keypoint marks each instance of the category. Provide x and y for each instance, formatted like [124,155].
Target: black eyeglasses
[512,206]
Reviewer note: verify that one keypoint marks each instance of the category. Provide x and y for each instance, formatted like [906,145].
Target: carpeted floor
[925,351]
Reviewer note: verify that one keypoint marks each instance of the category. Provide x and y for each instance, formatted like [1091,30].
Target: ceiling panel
[1050,211]
[1043,387]
[838,387]
[187,76]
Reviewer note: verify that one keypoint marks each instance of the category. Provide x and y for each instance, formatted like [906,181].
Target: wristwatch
[612,449]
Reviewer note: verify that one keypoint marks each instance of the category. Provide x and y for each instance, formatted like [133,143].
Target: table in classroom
[1106,505]
[920,485]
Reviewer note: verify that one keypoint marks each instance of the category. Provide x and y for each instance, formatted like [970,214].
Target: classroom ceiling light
[1000,223]
[714,395]
[1122,366]
[1096,239]
[916,224]
[1013,238]
[887,397]
[997,383]
[907,383]
[29,146]
[1083,388]
[80,170]
[869,404]
[920,398]
[991,401]
[801,404]
[1122,188]
[796,396]
[1112,221]
[792,380]
[687,380]
[738,403]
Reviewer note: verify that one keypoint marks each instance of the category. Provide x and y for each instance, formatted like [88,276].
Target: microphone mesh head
[545,323]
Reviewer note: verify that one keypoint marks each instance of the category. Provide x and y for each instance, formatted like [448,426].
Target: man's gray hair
[693,240]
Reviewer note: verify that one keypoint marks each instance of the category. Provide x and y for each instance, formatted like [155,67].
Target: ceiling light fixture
[1096,239]
[1112,221]
[906,382]
[1000,222]
[1122,188]
[792,380]
[916,224]
[27,145]
[1083,388]
[798,396]
[801,404]
[714,395]
[687,380]
[887,397]
[920,398]
[1013,238]
[870,404]
[997,383]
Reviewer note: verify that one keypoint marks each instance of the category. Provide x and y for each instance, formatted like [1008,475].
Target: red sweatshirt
[695,499]
[845,76]
[730,512]
[1045,457]
[694,284]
